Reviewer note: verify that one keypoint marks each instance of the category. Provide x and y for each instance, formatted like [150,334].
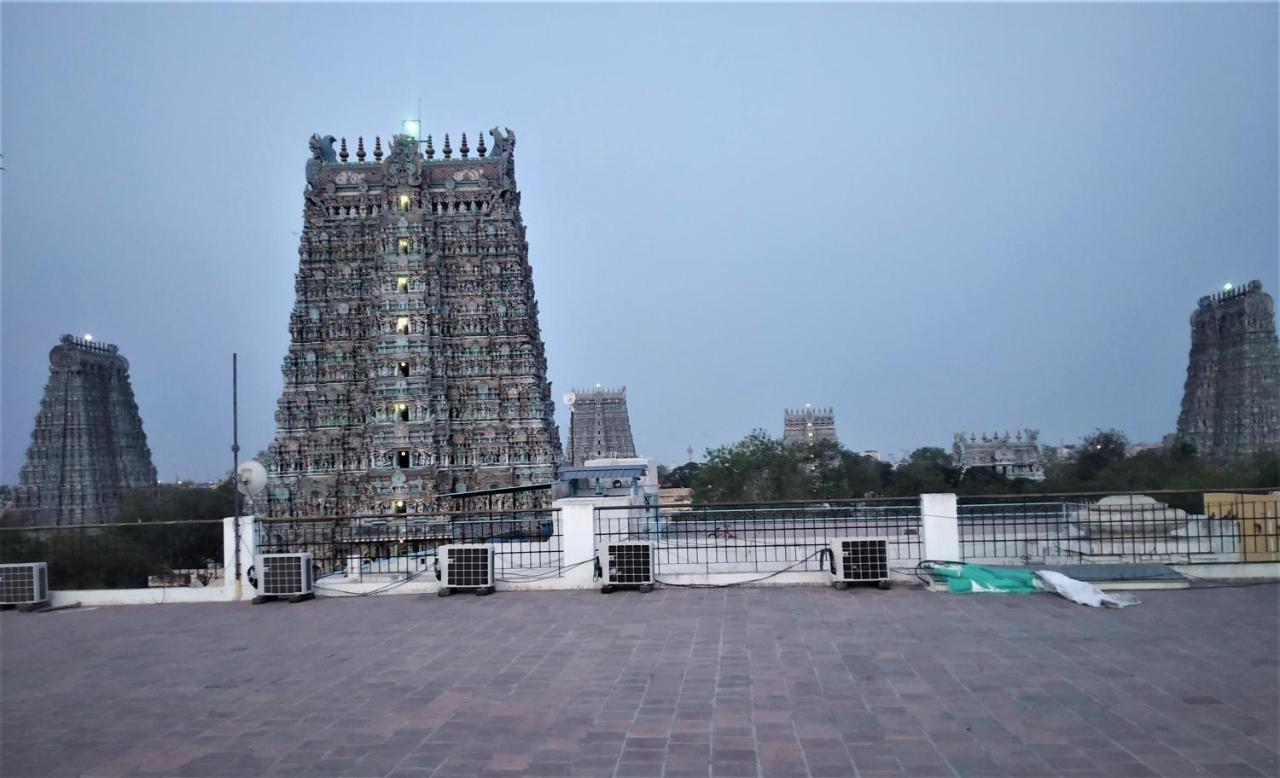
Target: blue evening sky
[932,217]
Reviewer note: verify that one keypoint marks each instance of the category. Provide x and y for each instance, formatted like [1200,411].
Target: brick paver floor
[679,682]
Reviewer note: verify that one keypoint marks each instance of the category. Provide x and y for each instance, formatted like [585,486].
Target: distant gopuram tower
[1231,402]
[88,445]
[808,425]
[416,366]
[599,425]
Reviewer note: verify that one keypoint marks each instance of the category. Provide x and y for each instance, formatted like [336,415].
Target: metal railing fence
[1181,527]
[760,538]
[121,556]
[526,543]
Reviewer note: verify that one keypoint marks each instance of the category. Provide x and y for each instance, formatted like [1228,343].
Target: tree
[843,473]
[1098,451]
[758,468]
[985,480]
[678,477]
[926,470]
[178,502]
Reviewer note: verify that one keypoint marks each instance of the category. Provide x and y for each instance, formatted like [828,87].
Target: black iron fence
[760,538]
[121,556]
[527,544]
[1185,527]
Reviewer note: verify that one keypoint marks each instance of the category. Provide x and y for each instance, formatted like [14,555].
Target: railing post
[233,574]
[577,519]
[940,527]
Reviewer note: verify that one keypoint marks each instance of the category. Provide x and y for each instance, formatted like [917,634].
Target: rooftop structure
[1231,399]
[1016,456]
[88,446]
[599,425]
[808,425]
[416,366]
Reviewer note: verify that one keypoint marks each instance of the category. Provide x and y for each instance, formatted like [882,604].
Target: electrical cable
[379,590]
[741,583]
[521,578]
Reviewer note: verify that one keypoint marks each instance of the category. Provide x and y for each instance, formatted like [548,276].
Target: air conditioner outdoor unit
[24,585]
[284,575]
[860,560]
[626,563]
[465,566]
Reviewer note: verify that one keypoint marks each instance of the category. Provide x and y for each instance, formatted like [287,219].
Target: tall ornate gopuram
[599,425]
[88,446]
[416,366]
[1231,400]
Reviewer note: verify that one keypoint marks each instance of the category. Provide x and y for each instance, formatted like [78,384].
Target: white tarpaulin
[1084,592]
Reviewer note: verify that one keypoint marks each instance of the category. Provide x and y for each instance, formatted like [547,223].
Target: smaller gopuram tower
[1231,400]
[88,445]
[808,425]
[599,425]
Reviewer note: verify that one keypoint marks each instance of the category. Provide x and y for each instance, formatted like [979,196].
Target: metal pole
[235,460]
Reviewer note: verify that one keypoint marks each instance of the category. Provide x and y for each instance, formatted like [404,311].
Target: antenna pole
[235,456]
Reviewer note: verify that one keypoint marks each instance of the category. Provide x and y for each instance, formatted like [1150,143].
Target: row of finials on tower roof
[325,149]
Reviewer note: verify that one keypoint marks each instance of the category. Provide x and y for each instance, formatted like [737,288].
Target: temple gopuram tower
[1231,401]
[416,366]
[808,425]
[599,425]
[88,446]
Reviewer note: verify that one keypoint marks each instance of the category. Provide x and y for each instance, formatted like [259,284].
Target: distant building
[872,453]
[610,477]
[1016,456]
[88,446]
[808,425]
[1063,453]
[599,425]
[1231,399]
[675,498]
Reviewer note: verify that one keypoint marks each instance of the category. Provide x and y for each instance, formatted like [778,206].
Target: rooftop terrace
[797,681]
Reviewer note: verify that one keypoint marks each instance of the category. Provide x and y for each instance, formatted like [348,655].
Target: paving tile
[766,683]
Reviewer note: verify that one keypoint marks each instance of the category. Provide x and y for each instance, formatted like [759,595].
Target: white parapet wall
[575,532]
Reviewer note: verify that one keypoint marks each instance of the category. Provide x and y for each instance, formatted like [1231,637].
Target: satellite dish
[251,478]
[570,398]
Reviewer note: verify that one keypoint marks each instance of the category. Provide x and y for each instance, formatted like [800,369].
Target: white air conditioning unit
[860,560]
[626,563]
[284,575]
[465,566]
[25,585]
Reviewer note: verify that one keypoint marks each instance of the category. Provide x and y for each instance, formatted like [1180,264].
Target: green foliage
[756,469]
[113,557]
[123,555]
[678,477]
[178,502]
[759,468]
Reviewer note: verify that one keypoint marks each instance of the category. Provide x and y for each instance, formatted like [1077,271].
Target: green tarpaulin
[976,578]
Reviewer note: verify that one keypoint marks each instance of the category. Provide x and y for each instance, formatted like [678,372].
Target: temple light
[88,338]
[1226,287]
[411,127]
